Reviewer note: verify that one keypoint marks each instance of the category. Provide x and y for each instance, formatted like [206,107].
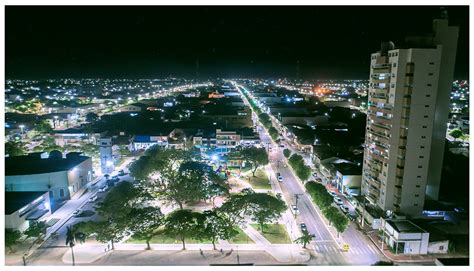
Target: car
[315,175]
[338,200]
[279,177]
[278,195]
[303,227]
[295,210]
[103,188]
[282,146]
[93,198]
[344,208]
[122,173]
[333,193]
[77,212]
[352,217]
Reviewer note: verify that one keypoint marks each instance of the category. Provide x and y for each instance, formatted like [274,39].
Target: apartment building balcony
[384,125]
[376,79]
[402,142]
[399,171]
[385,110]
[397,192]
[379,90]
[376,156]
[381,131]
[374,164]
[398,180]
[406,102]
[377,100]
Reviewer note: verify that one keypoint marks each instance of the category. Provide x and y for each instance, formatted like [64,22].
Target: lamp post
[185,143]
[21,128]
[55,120]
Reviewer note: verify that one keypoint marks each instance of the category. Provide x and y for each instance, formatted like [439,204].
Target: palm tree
[304,239]
[71,242]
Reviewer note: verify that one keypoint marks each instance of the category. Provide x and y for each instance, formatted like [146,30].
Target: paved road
[325,243]
[55,247]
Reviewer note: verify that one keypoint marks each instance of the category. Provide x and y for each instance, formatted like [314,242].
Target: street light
[22,127]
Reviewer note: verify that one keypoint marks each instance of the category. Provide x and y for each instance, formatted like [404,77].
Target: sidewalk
[373,236]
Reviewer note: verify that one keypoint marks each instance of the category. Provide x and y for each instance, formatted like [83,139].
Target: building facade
[402,146]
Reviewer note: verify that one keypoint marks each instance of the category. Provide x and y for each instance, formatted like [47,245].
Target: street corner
[85,254]
[289,254]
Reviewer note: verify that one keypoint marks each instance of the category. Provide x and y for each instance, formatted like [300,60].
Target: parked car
[315,175]
[77,212]
[338,200]
[278,195]
[103,188]
[282,146]
[333,193]
[351,217]
[122,173]
[279,177]
[303,227]
[93,198]
[295,210]
[344,208]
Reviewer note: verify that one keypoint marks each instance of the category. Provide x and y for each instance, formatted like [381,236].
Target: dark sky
[157,41]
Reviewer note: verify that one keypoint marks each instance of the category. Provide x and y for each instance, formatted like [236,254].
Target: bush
[286,153]
[273,133]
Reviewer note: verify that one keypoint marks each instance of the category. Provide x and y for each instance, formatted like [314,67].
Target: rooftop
[17,200]
[32,164]
[404,226]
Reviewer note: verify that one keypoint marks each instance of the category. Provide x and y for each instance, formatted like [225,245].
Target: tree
[92,117]
[217,226]
[71,242]
[456,133]
[260,207]
[36,230]
[12,237]
[256,156]
[184,224]
[330,214]
[44,127]
[296,161]
[175,176]
[286,153]
[273,132]
[340,222]
[319,194]
[104,231]
[304,239]
[145,222]
[14,148]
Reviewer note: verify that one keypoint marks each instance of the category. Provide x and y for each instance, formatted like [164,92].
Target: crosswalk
[333,249]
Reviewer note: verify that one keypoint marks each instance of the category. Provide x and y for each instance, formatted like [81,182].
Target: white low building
[21,208]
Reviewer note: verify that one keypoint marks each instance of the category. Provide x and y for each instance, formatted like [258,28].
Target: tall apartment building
[407,119]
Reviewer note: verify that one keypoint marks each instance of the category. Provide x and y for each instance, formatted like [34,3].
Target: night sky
[153,42]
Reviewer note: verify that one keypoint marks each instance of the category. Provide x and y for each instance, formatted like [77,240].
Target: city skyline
[316,42]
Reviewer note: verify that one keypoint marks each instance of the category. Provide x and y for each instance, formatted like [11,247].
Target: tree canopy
[255,156]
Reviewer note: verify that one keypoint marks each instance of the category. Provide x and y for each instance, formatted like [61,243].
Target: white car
[77,212]
[93,198]
[333,193]
[103,188]
[338,200]
[295,210]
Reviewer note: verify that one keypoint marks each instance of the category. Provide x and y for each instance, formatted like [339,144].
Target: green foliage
[304,239]
[265,120]
[144,223]
[456,133]
[255,156]
[91,117]
[319,194]
[15,148]
[184,224]
[104,231]
[273,133]
[44,127]
[260,207]
[12,237]
[301,169]
[286,153]
[216,225]
[36,230]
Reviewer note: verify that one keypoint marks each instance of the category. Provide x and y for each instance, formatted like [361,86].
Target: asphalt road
[361,252]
